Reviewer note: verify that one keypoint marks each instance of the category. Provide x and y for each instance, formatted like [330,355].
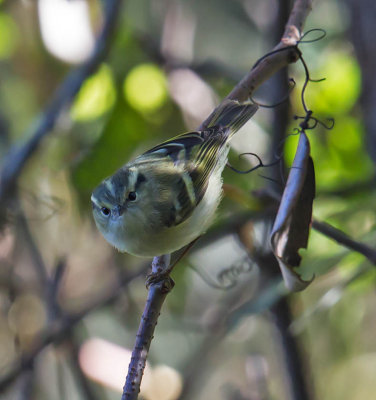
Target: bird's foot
[162,278]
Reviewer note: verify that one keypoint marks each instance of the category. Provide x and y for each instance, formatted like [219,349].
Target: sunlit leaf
[96,97]
[145,88]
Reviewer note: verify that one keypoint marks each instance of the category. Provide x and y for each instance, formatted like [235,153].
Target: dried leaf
[292,224]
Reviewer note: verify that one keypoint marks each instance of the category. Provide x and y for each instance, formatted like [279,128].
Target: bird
[167,197]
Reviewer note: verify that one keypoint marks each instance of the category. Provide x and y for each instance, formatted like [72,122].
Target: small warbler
[167,197]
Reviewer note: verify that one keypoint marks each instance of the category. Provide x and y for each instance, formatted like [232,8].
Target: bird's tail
[232,115]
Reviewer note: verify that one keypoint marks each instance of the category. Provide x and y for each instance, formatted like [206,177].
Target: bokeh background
[70,304]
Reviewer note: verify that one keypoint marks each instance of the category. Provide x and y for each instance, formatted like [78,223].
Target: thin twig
[156,296]
[342,238]
[18,155]
[352,189]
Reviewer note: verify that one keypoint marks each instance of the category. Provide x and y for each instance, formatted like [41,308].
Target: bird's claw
[163,278]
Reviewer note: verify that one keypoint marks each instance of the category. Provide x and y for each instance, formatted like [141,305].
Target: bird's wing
[197,153]
[194,155]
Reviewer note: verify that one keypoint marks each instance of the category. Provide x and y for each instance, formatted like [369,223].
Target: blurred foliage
[145,88]
[96,97]
[133,102]
[8,34]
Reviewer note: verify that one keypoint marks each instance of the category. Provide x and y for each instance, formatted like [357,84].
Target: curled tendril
[305,34]
[232,273]
[329,125]
[208,280]
[295,47]
[274,52]
[228,277]
[292,85]
[305,124]
[277,154]
[317,80]
[260,164]
[307,79]
[308,121]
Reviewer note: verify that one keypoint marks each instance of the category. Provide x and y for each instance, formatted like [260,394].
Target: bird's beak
[118,211]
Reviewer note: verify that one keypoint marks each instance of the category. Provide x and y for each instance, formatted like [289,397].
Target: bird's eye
[105,211]
[132,196]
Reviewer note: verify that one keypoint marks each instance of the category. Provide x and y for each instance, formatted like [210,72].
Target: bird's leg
[160,274]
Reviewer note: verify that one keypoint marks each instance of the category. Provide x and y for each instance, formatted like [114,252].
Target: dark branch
[156,297]
[341,238]
[294,361]
[18,156]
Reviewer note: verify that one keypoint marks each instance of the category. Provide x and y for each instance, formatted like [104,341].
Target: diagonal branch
[278,59]
[18,156]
